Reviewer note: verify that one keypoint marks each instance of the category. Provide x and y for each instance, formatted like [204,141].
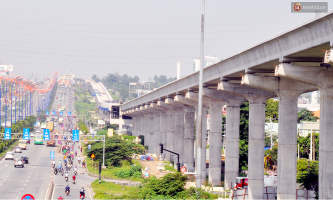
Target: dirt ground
[153,168]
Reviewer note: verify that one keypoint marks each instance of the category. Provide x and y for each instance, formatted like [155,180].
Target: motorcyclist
[59,167]
[82,192]
[53,163]
[68,188]
[79,159]
[83,164]
[59,162]
[74,177]
[75,152]
[66,175]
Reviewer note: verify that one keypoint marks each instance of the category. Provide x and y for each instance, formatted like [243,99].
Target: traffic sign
[47,113]
[53,113]
[69,113]
[28,197]
[61,113]
[183,169]
[52,155]
[46,134]
[75,135]
[26,134]
[8,133]
[92,156]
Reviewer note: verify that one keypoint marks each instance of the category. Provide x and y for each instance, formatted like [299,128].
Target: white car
[18,150]
[9,156]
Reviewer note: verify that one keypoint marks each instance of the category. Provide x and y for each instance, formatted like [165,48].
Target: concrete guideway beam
[233,103]
[322,78]
[257,99]
[188,150]
[215,135]
[288,92]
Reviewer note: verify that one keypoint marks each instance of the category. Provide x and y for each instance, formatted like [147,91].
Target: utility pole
[198,161]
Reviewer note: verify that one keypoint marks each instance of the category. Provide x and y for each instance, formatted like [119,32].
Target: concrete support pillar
[215,143]
[189,139]
[321,78]
[157,133]
[179,136]
[288,92]
[146,129]
[143,129]
[204,142]
[163,129]
[256,150]
[170,143]
[133,125]
[232,145]
[151,139]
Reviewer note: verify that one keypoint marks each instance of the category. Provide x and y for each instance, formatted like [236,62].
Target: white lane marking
[16,197]
[4,180]
[22,188]
[27,180]
[25,185]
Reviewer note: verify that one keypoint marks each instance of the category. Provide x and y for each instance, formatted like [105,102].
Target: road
[35,177]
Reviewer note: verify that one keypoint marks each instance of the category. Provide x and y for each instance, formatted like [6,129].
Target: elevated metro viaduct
[285,66]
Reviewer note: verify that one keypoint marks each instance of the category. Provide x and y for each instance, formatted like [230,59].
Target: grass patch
[9,148]
[170,168]
[110,171]
[107,190]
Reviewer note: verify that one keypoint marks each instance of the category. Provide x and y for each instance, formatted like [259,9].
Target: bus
[38,139]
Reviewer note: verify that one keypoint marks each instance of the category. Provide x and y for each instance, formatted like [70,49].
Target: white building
[208,60]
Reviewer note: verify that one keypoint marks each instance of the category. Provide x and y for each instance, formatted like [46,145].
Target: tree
[243,136]
[272,109]
[306,115]
[307,174]
[304,145]
[95,78]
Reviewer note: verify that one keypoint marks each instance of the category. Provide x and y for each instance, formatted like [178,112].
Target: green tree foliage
[306,115]
[304,145]
[162,80]
[95,78]
[273,152]
[272,109]
[268,139]
[307,174]
[243,136]
[116,150]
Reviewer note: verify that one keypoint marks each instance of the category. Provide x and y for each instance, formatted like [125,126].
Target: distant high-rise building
[208,60]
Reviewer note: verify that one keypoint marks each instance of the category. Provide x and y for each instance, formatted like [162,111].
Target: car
[28,141]
[18,150]
[9,156]
[18,162]
[25,159]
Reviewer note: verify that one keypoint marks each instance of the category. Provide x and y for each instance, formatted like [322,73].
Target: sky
[143,38]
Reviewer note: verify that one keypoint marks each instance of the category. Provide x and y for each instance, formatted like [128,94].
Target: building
[208,60]
[140,88]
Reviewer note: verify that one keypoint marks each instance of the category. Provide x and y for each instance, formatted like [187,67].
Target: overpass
[285,66]
[109,110]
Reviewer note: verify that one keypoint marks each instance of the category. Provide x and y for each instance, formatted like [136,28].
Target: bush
[132,171]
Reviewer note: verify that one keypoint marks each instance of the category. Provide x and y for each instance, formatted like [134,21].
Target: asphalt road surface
[35,177]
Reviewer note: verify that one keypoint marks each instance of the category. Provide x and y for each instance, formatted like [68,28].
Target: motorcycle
[67,192]
[62,173]
[79,161]
[75,153]
[53,165]
[73,181]
[55,172]
[66,178]
[82,196]
[59,170]
[75,173]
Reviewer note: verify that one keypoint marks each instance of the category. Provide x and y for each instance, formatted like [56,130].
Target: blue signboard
[69,113]
[8,133]
[47,113]
[26,134]
[53,112]
[46,134]
[52,155]
[75,135]
[61,113]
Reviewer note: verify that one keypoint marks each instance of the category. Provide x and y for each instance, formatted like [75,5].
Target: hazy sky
[134,37]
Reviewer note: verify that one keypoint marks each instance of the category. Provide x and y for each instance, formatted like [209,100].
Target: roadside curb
[117,181]
[49,191]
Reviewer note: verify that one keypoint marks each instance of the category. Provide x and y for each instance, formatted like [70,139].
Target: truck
[52,140]
[60,120]
[50,126]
